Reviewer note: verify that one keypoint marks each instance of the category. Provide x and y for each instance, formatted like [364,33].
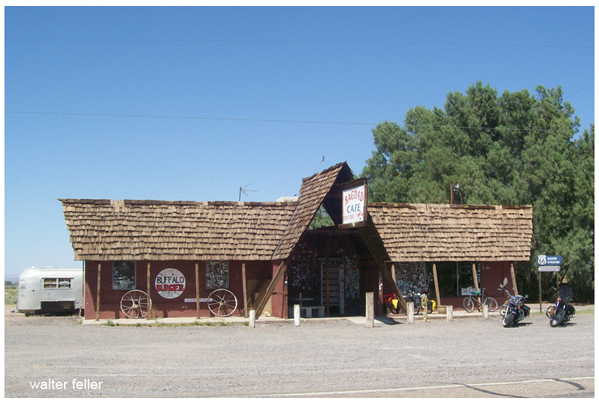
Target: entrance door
[332,285]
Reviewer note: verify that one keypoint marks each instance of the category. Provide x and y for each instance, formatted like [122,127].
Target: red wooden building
[265,254]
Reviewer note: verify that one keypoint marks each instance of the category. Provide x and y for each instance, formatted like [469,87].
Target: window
[217,274]
[57,283]
[123,275]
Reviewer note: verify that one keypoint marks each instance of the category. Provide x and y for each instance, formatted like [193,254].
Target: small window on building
[217,274]
[57,283]
[123,275]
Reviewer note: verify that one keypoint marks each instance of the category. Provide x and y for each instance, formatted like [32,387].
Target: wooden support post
[148,283]
[476,283]
[515,288]
[436,284]
[540,294]
[197,290]
[369,309]
[425,308]
[327,275]
[245,290]
[98,293]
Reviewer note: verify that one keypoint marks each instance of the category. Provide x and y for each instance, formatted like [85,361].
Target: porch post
[245,290]
[476,282]
[98,292]
[436,284]
[513,278]
[197,291]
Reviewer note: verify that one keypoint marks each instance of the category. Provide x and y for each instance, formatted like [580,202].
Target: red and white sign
[170,283]
[354,204]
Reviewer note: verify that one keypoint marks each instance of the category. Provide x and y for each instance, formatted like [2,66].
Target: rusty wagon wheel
[222,302]
[136,304]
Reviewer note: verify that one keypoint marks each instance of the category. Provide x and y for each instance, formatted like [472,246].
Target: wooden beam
[513,272]
[326,268]
[476,282]
[262,300]
[245,290]
[436,284]
[98,293]
[379,258]
[197,291]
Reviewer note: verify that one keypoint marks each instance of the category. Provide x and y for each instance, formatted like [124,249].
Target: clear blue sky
[253,96]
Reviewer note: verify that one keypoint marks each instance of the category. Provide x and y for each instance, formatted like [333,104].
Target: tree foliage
[509,149]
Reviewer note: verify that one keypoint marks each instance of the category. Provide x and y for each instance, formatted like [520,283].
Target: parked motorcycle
[562,311]
[513,310]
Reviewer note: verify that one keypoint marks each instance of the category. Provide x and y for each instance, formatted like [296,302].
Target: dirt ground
[57,357]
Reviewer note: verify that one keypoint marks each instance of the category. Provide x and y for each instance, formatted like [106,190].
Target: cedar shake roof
[435,233]
[159,230]
[312,193]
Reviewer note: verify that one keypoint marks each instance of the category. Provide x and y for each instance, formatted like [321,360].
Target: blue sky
[193,103]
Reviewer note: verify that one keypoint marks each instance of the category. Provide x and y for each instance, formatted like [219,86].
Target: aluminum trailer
[50,290]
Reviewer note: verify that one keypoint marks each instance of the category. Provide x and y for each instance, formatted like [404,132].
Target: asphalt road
[469,357]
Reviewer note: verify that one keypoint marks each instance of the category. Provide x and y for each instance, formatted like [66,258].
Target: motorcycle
[562,311]
[513,310]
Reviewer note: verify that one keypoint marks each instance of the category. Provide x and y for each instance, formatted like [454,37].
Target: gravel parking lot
[279,359]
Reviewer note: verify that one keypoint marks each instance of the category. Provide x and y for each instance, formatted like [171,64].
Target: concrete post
[296,314]
[253,318]
[410,312]
[449,313]
[485,311]
[369,310]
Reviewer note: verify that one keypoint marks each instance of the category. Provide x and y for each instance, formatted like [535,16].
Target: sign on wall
[217,274]
[170,283]
[354,205]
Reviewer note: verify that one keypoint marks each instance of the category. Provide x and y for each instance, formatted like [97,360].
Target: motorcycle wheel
[430,308]
[508,319]
[468,304]
[416,310]
[558,318]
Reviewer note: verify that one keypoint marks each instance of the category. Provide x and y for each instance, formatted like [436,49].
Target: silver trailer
[50,290]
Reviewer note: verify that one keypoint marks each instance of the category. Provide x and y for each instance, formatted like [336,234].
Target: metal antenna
[244,190]
[321,161]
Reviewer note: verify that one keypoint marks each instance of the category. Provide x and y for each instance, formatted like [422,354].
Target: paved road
[469,357]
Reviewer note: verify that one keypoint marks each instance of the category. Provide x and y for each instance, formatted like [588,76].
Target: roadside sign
[549,268]
[543,260]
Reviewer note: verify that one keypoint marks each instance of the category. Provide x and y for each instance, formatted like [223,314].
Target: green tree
[513,149]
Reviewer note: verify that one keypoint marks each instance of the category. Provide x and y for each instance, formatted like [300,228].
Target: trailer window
[57,283]
[123,275]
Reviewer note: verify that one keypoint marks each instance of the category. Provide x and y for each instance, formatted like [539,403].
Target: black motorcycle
[562,311]
[513,310]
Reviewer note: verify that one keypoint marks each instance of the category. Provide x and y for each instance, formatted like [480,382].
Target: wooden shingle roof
[161,230]
[436,233]
[312,192]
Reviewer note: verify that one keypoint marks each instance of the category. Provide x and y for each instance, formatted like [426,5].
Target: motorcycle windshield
[566,293]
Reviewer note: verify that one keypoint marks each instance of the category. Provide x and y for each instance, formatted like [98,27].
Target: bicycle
[471,301]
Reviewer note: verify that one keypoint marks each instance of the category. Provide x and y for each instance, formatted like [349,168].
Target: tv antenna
[321,161]
[244,190]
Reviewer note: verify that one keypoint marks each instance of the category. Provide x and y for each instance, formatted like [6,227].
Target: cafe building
[182,255]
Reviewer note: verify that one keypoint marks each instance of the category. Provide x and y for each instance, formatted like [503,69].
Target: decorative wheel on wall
[136,304]
[222,302]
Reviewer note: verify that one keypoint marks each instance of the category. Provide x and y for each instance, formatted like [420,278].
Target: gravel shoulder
[278,358]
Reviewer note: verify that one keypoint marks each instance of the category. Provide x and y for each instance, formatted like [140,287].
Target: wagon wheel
[222,302]
[136,304]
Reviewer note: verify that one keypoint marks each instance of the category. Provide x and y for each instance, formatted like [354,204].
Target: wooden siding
[104,230]
[436,233]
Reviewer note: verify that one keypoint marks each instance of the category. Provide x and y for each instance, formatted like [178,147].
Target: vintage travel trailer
[50,290]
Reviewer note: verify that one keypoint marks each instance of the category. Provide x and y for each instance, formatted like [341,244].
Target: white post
[369,309]
[253,318]
[410,312]
[449,313]
[486,311]
[296,314]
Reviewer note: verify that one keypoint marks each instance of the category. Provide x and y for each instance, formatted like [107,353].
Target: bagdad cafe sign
[354,201]
[549,263]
